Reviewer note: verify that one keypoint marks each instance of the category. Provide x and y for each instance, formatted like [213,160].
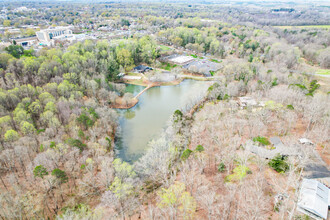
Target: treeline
[253,44]
[313,42]
[153,15]
[88,60]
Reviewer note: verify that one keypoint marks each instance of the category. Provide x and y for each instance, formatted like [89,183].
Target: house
[203,66]
[278,149]
[314,199]
[141,69]
[260,151]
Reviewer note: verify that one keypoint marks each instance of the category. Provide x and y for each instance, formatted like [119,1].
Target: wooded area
[58,122]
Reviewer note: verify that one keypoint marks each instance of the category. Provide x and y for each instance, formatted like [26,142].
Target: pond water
[146,120]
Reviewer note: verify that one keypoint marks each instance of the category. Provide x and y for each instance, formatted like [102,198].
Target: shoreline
[120,105]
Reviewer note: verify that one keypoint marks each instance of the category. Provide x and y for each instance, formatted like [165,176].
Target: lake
[149,117]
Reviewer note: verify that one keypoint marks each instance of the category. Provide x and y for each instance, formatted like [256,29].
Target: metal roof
[142,68]
[314,199]
[275,141]
[305,141]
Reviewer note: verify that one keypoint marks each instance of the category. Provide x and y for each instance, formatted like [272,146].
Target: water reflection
[129,114]
[146,120]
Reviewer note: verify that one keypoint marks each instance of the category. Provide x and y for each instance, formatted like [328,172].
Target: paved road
[131,77]
[199,77]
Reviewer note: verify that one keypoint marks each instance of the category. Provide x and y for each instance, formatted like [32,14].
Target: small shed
[314,199]
[305,141]
[141,69]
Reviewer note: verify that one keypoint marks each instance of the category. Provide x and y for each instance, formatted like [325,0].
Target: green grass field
[323,72]
[306,26]
[215,61]
[164,48]
[133,74]
[168,66]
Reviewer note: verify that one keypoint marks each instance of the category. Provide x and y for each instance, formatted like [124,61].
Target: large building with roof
[202,66]
[314,199]
[52,33]
[178,59]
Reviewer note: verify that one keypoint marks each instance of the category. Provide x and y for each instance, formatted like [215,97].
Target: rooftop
[203,66]
[314,199]
[25,39]
[142,68]
[276,141]
[181,59]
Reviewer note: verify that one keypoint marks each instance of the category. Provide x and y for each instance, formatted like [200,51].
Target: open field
[324,82]
[164,48]
[324,72]
[305,26]
[168,66]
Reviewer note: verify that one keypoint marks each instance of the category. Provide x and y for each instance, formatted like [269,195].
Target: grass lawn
[262,140]
[164,48]
[238,174]
[323,72]
[133,74]
[195,56]
[168,66]
[215,61]
[138,82]
[324,82]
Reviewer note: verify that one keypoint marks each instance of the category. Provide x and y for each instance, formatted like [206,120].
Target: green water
[146,120]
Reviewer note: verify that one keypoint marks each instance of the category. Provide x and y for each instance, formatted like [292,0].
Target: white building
[314,199]
[23,9]
[49,34]
[14,31]
[181,60]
